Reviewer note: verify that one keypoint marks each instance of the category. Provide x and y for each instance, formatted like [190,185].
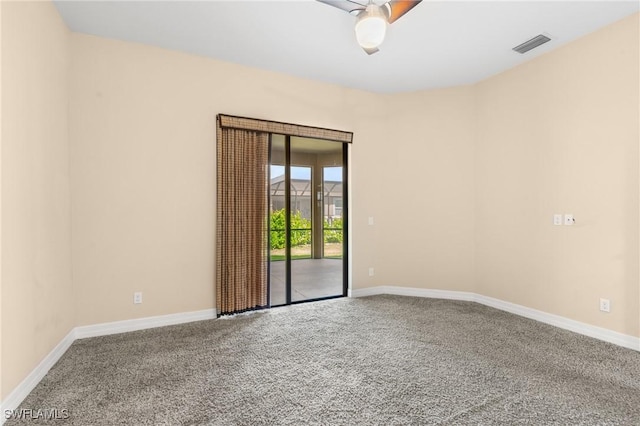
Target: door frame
[287,203]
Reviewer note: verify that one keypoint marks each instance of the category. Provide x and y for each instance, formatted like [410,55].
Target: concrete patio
[310,279]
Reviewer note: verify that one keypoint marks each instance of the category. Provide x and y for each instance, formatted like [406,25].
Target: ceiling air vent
[532,44]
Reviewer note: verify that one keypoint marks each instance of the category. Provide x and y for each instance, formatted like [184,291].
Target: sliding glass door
[307,220]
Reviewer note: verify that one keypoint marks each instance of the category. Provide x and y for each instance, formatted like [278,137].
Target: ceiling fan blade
[346,5]
[371,51]
[399,8]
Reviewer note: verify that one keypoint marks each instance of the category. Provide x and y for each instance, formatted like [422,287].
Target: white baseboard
[116,327]
[414,292]
[369,291]
[599,333]
[18,395]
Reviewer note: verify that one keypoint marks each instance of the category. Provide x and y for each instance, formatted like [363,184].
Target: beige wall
[142,175]
[560,134]
[143,168]
[142,137]
[413,172]
[37,298]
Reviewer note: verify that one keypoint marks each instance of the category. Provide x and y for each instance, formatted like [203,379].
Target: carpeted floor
[379,360]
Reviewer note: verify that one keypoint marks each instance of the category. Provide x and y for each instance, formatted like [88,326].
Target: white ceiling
[437,44]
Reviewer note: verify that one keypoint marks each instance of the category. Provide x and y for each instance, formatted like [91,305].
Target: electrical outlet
[370,272]
[605,305]
[569,220]
[137,297]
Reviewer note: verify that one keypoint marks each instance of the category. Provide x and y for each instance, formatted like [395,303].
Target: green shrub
[330,235]
[302,236]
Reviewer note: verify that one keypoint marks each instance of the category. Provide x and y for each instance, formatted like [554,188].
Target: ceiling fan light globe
[370,30]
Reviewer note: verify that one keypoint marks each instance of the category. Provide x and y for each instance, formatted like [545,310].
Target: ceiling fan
[373,17]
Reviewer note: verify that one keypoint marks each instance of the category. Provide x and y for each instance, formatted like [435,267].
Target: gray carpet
[378,360]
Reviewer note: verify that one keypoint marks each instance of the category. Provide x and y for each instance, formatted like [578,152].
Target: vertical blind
[241,248]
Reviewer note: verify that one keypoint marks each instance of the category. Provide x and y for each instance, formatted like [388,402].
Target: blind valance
[266,126]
